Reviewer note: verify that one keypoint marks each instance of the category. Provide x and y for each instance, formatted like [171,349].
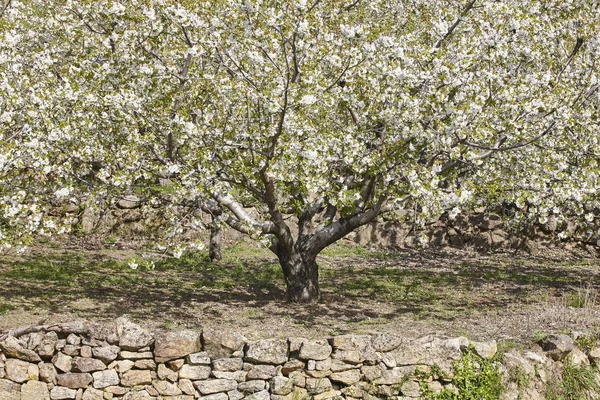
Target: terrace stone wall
[125,361]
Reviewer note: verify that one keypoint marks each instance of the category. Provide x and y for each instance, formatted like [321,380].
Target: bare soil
[408,292]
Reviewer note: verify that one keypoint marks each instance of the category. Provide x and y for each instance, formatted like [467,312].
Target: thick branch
[453,27]
[244,221]
[76,328]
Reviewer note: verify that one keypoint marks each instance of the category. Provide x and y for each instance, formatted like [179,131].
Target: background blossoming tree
[321,115]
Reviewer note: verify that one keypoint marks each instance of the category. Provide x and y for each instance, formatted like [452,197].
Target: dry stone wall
[126,361]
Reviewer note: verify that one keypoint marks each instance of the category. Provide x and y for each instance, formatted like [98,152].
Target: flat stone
[200,358]
[35,390]
[220,344]
[215,386]
[577,358]
[134,355]
[172,345]
[176,365]
[136,378]
[12,348]
[86,351]
[186,386]
[47,347]
[106,354]
[165,388]
[20,371]
[323,365]
[227,364]
[215,396]
[116,390]
[318,385]
[330,394]
[9,390]
[339,365]
[485,350]
[71,350]
[371,372]
[238,376]
[81,364]
[251,386]
[47,373]
[411,389]
[145,364]
[63,362]
[267,351]
[291,366]
[129,202]
[121,365]
[74,380]
[104,379]
[194,372]
[235,395]
[93,394]
[384,342]
[318,374]
[262,372]
[62,393]
[314,350]
[132,336]
[347,378]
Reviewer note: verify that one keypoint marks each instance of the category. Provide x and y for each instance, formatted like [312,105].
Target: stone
[577,358]
[81,364]
[20,371]
[116,390]
[410,389]
[200,358]
[298,378]
[186,386]
[194,372]
[347,378]
[311,365]
[516,362]
[121,365]
[106,354]
[12,348]
[323,365]
[262,372]
[71,350]
[47,348]
[215,396]
[291,366]
[318,374]
[74,380]
[390,362]
[318,385]
[47,373]
[131,336]
[145,364]
[220,344]
[251,386]
[485,350]
[167,373]
[73,339]
[262,395]
[314,350]
[165,388]
[176,365]
[62,393]
[281,385]
[295,343]
[172,345]
[383,342]
[235,395]
[371,372]
[228,364]
[330,394]
[391,377]
[9,390]
[267,351]
[135,355]
[104,379]
[35,390]
[93,394]
[594,355]
[215,386]
[62,362]
[557,346]
[86,351]
[238,376]
[338,365]
[136,378]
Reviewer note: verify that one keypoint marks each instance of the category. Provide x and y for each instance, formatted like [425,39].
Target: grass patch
[576,383]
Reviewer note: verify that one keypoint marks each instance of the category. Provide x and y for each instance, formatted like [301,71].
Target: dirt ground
[512,296]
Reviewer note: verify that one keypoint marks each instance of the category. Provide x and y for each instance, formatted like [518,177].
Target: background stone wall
[126,361]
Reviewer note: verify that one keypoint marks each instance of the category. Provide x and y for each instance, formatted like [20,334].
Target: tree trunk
[301,274]
[214,249]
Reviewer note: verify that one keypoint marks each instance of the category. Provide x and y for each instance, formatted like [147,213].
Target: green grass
[576,383]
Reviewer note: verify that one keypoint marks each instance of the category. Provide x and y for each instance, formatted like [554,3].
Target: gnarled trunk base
[301,274]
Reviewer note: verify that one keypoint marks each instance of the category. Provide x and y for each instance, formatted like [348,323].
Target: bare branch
[453,27]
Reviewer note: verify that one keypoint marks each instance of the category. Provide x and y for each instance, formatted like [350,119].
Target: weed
[587,342]
[475,377]
[518,375]
[6,307]
[576,383]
